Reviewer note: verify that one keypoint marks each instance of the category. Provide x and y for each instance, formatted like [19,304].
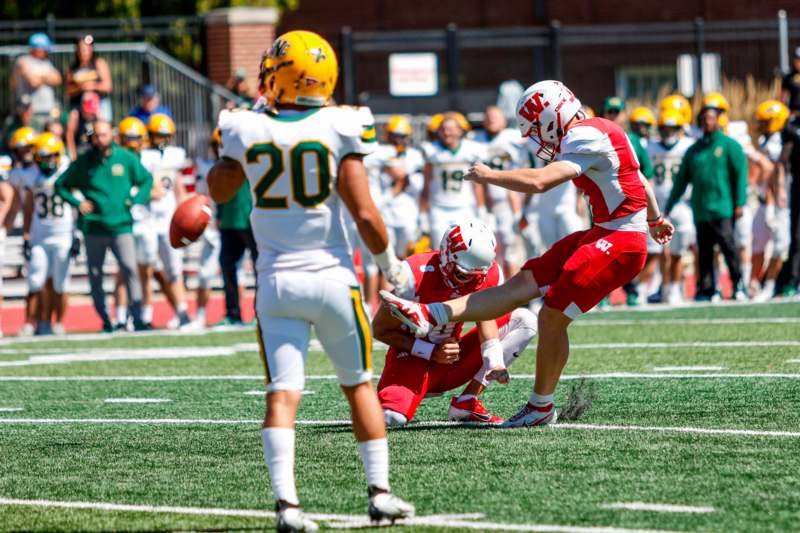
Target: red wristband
[657,222]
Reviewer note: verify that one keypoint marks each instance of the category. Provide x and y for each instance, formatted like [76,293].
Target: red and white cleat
[414,315]
[471,410]
[532,415]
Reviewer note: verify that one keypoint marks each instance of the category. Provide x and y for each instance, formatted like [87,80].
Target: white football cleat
[384,505]
[414,315]
[291,519]
[531,416]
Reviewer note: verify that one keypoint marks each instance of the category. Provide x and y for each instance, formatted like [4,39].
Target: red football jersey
[431,286]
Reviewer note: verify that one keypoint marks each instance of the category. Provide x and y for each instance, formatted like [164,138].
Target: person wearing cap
[790,85]
[149,104]
[716,168]
[79,124]
[238,85]
[89,73]
[35,75]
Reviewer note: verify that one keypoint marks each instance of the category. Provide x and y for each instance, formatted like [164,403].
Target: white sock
[465,397]
[147,314]
[122,314]
[279,456]
[182,307]
[394,419]
[438,313]
[540,400]
[375,456]
[201,314]
[769,286]
[747,270]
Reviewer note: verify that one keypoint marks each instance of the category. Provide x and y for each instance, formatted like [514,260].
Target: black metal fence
[194,100]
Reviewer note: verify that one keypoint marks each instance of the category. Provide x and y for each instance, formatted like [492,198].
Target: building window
[645,82]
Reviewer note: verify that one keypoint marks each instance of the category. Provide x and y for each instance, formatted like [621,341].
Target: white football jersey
[447,187]
[386,155]
[53,218]
[18,176]
[666,162]
[771,146]
[291,161]
[502,153]
[5,167]
[165,166]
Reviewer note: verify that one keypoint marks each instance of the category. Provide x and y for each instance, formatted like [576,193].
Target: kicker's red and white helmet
[542,112]
[467,252]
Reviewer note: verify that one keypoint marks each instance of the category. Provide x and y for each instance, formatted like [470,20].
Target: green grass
[552,476]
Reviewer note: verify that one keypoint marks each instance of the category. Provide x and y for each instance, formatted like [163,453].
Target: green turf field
[695,408]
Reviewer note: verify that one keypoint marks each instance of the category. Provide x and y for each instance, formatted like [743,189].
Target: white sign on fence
[413,74]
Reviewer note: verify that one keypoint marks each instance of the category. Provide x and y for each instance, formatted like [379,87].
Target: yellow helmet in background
[48,144]
[435,122]
[299,68]
[460,118]
[22,137]
[161,124]
[132,132]
[643,115]
[216,138]
[773,112]
[671,118]
[723,120]
[399,125]
[588,111]
[678,102]
[715,100]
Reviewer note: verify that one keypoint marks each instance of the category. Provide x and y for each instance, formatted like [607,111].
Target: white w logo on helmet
[542,112]
[467,252]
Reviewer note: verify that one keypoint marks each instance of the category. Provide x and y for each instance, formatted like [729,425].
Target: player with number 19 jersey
[297,215]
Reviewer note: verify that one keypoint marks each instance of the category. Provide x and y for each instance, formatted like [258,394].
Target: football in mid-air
[190,221]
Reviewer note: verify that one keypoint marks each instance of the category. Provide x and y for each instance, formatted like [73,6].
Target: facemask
[48,166]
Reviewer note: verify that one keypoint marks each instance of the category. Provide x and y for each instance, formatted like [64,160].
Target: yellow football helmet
[48,144]
[435,122]
[715,100]
[161,124]
[461,119]
[643,115]
[22,137]
[588,111]
[723,121]
[132,133]
[671,118]
[678,102]
[299,68]
[774,113]
[216,138]
[399,125]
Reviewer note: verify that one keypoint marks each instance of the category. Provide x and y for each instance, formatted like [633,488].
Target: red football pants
[583,268]
[406,380]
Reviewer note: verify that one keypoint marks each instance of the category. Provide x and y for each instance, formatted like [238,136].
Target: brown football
[190,220]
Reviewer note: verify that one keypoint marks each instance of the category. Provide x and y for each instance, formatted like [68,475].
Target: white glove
[492,354]
[424,223]
[392,268]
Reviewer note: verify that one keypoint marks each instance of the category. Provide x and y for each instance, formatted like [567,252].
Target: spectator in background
[716,168]
[88,73]
[111,180]
[790,85]
[79,124]
[35,75]
[236,236]
[238,85]
[789,276]
[55,127]
[22,117]
[149,104]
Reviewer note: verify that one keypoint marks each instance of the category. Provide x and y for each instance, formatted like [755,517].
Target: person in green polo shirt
[110,180]
[716,168]
[236,236]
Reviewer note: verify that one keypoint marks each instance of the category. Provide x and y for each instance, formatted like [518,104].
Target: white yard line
[262,392]
[455,521]
[127,354]
[690,344]
[793,361]
[10,409]
[686,321]
[332,377]
[137,400]
[696,368]
[430,424]
[658,507]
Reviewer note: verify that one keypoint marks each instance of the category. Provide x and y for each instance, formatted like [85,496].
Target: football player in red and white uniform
[445,359]
[580,269]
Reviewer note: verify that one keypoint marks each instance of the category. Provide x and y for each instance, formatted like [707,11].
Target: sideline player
[445,359]
[47,230]
[445,196]
[579,270]
[165,161]
[303,161]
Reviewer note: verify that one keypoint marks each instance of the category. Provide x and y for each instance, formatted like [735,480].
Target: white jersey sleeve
[356,128]
[584,147]
[230,123]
